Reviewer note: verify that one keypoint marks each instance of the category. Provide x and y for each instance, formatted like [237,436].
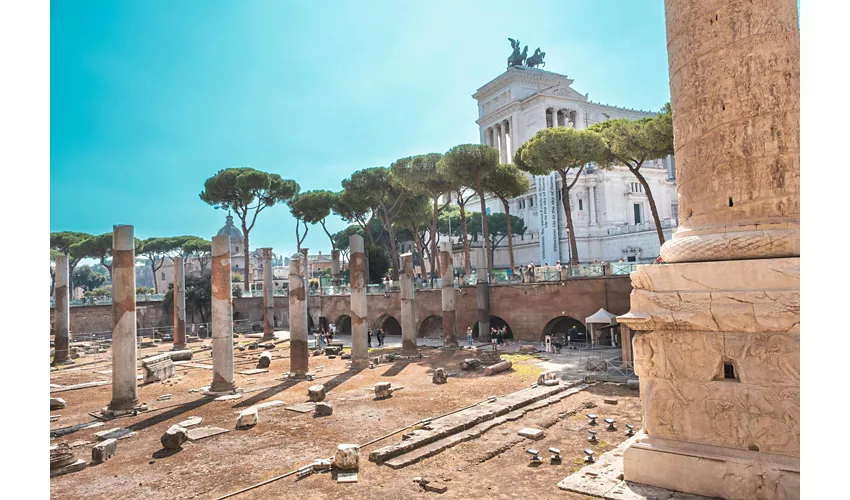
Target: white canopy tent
[600,317]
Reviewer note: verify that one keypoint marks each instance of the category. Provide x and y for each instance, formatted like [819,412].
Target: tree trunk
[565,198]
[484,232]
[467,265]
[247,258]
[393,254]
[435,258]
[510,233]
[652,206]
[417,242]
[153,270]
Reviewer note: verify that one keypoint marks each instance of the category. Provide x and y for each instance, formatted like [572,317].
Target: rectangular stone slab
[205,432]
[79,465]
[116,433]
[302,408]
[530,433]
[74,428]
[346,477]
[78,386]
[254,371]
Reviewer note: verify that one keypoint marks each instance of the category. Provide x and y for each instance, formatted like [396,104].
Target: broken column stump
[548,378]
[57,404]
[439,376]
[248,417]
[63,461]
[316,392]
[174,437]
[265,360]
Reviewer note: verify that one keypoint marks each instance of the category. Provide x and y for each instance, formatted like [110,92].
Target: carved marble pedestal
[717,348]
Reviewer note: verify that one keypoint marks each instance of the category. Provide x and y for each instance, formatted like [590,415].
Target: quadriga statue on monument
[536,59]
[516,58]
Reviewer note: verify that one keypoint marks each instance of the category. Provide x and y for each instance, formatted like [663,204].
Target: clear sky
[150,98]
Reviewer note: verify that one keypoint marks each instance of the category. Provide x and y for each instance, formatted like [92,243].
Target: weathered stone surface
[531,433]
[75,466]
[57,404]
[383,390]
[547,376]
[190,421]
[596,364]
[61,455]
[174,437]
[346,355]
[159,367]
[488,357]
[498,367]
[181,355]
[527,349]
[347,457]
[316,392]
[633,384]
[248,417]
[332,351]
[103,451]
[199,433]
[323,409]
[265,360]
[115,433]
[440,376]
[470,364]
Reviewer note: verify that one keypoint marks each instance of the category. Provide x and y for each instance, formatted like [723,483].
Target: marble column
[448,296]
[503,143]
[512,138]
[222,318]
[179,309]
[298,321]
[335,279]
[359,312]
[61,313]
[268,295]
[408,305]
[723,316]
[124,390]
[483,295]
[591,201]
[307,276]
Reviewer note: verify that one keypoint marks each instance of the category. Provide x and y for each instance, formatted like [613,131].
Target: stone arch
[343,325]
[559,326]
[310,324]
[495,322]
[390,325]
[431,327]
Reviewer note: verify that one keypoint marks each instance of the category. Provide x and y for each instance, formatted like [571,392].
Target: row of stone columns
[568,117]
[501,137]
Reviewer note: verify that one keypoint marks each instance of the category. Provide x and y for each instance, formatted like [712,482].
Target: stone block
[103,451]
[440,376]
[181,355]
[265,360]
[156,368]
[347,457]
[383,390]
[174,437]
[61,455]
[547,376]
[346,355]
[75,466]
[323,410]
[199,433]
[57,404]
[248,417]
[190,422]
[531,433]
[115,433]
[332,351]
[316,392]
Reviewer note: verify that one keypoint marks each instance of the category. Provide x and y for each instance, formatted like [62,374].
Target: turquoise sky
[150,98]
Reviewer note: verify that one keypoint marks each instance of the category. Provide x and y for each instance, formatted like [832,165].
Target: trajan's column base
[717,349]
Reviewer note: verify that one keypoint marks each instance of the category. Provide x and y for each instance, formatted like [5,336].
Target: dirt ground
[492,466]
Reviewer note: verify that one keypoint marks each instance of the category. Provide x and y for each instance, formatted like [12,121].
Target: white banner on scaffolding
[547,211]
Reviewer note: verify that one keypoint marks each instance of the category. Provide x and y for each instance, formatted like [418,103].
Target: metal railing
[643,226]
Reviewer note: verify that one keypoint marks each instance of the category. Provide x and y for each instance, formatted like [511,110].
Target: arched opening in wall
[390,325]
[495,322]
[343,325]
[310,324]
[431,328]
[559,328]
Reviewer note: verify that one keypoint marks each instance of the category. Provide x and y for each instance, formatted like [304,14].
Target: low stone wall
[526,308]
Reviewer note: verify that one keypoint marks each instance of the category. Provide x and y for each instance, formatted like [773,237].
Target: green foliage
[62,242]
[313,207]
[237,189]
[235,277]
[379,264]
[506,181]
[143,290]
[105,291]
[341,238]
[559,149]
[419,174]
[87,279]
[237,292]
[497,224]
[198,296]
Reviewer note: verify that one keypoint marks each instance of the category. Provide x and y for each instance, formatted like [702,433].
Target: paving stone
[103,451]
[55,433]
[302,408]
[174,437]
[74,387]
[254,371]
[191,421]
[531,433]
[57,404]
[199,433]
[346,477]
[248,417]
[78,465]
[116,433]
[269,404]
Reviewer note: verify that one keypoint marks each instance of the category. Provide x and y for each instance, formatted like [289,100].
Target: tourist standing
[469,335]
[381,336]
[499,338]
[369,337]
[548,343]
[494,342]
[571,334]
[504,334]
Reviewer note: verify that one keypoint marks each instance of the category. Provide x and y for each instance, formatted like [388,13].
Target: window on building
[580,204]
[531,201]
[638,218]
[636,187]
[237,249]
[162,275]
[631,258]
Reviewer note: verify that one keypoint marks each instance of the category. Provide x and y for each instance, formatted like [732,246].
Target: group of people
[324,336]
[380,335]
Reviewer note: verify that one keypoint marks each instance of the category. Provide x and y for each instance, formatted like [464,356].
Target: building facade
[611,215]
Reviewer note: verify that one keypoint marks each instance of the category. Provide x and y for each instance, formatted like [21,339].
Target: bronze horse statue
[517,58]
[536,59]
